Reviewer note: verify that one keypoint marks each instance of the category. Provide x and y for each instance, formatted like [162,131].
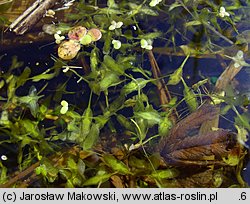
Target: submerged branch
[31,16]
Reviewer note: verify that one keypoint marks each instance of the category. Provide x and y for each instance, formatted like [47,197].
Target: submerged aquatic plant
[102,84]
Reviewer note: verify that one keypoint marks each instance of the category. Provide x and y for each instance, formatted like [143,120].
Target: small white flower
[66,68]
[223,12]
[117,44]
[4,157]
[65,107]
[154,2]
[50,13]
[239,59]
[146,44]
[58,37]
[115,25]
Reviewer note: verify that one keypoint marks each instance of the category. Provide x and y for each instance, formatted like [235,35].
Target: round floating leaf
[95,34]
[77,33]
[85,40]
[68,49]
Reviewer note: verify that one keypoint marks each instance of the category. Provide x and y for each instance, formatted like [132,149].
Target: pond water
[53,99]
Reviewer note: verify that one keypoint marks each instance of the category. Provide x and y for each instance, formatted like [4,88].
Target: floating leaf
[95,34]
[115,164]
[77,33]
[69,49]
[85,40]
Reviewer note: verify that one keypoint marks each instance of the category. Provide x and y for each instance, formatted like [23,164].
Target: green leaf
[81,167]
[31,128]
[92,137]
[23,77]
[43,76]
[139,163]
[11,87]
[125,122]
[95,180]
[31,100]
[175,78]
[232,159]
[199,83]
[190,97]
[165,174]
[116,164]
[174,5]
[86,39]
[242,135]
[107,43]
[148,11]
[116,105]
[112,65]
[110,79]
[94,59]
[152,35]
[134,85]
[153,117]
[86,122]
[4,171]
[164,126]
[71,163]
[47,170]
[193,23]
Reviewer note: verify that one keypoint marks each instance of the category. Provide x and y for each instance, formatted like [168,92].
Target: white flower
[65,107]
[66,68]
[50,13]
[239,60]
[115,25]
[4,157]
[58,37]
[117,44]
[146,44]
[223,12]
[154,2]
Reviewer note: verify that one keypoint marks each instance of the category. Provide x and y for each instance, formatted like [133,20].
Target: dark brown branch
[31,16]
[164,94]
